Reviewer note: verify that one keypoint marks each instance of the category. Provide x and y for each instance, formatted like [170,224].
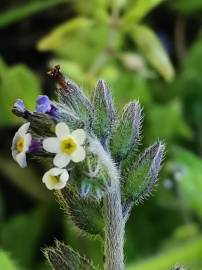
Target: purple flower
[35,146]
[44,105]
[19,106]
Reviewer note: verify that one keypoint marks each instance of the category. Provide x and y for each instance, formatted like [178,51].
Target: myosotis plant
[96,170]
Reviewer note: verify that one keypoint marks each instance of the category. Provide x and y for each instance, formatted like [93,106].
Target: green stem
[114,231]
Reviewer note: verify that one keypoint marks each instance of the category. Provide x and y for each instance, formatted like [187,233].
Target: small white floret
[67,146]
[55,178]
[20,145]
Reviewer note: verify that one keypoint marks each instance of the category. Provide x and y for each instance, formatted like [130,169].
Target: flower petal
[21,159]
[43,104]
[45,176]
[61,160]
[19,106]
[78,155]
[60,185]
[79,135]
[51,144]
[48,181]
[64,176]
[13,147]
[28,140]
[62,130]
[23,129]
[55,171]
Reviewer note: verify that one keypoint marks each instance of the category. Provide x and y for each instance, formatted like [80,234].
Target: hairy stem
[114,231]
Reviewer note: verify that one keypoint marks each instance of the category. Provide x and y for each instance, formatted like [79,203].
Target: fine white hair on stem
[105,160]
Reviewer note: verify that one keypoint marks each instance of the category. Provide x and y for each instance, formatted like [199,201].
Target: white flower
[67,146]
[55,178]
[20,145]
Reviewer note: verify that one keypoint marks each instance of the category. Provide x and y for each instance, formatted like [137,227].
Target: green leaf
[20,236]
[85,213]
[186,254]
[187,169]
[152,49]
[71,39]
[189,83]
[141,178]
[58,35]
[16,82]
[20,12]
[126,132]
[104,111]
[174,124]
[138,9]
[93,8]
[187,7]
[27,180]
[6,262]
[65,258]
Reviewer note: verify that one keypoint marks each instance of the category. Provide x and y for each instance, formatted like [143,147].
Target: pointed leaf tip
[104,111]
[127,130]
[63,257]
[141,178]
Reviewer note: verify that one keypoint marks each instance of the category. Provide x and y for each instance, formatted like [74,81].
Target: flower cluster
[88,144]
[67,146]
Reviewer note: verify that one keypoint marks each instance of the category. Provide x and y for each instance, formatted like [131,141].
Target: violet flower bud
[19,109]
[44,105]
[19,106]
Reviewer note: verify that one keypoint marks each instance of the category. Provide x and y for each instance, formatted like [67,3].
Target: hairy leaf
[141,178]
[72,96]
[69,117]
[65,258]
[85,213]
[151,47]
[41,124]
[126,132]
[104,114]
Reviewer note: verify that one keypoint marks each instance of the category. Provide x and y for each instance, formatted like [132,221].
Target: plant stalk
[114,231]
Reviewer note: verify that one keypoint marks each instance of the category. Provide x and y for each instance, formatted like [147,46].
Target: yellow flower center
[68,146]
[20,144]
[55,179]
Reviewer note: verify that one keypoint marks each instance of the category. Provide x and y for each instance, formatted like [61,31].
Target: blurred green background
[149,50]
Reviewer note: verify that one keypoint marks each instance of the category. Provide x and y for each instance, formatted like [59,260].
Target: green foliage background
[149,50]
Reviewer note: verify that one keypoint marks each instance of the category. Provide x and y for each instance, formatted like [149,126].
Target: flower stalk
[114,231]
